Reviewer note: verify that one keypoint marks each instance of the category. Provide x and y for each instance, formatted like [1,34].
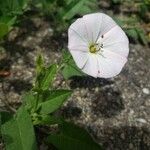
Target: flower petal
[97,24]
[121,48]
[107,24]
[77,35]
[110,64]
[116,41]
[79,57]
[91,66]
[92,24]
[82,48]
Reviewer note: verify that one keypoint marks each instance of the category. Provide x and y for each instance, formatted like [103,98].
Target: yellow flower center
[93,48]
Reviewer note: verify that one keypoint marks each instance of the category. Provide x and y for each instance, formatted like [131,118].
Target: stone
[146,91]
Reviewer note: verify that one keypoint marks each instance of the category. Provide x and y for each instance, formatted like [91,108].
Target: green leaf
[72,9]
[3,29]
[138,34]
[48,78]
[71,70]
[23,3]
[89,7]
[54,101]
[13,7]
[29,100]
[51,94]
[142,36]
[5,116]
[132,33]
[9,20]
[72,137]
[18,132]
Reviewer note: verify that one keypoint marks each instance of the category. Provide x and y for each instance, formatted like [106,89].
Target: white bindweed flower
[98,45]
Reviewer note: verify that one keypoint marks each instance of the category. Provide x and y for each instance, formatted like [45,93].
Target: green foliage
[54,101]
[7,7]
[41,100]
[142,36]
[39,105]
[71,9]
[46,101]
[46,6]
[18,132]
[9,10]
[72,137]
[49,101]
[29,100]
[89,7]
[137,34]
[70,69]
[133,29]
[45,76]
[144,9]
[39,64]
[13,7]
[51,94]
[6,23]
[132,33]
[8,20]
[3,29]
[62,11]
[67,9]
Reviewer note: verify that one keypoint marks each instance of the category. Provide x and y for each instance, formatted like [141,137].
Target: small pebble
[141,120]
[146,91]
[96,89]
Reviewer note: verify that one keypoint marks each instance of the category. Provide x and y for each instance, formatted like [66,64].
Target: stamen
[93,48]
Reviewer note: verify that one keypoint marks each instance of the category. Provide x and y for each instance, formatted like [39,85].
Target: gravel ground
[115,111]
